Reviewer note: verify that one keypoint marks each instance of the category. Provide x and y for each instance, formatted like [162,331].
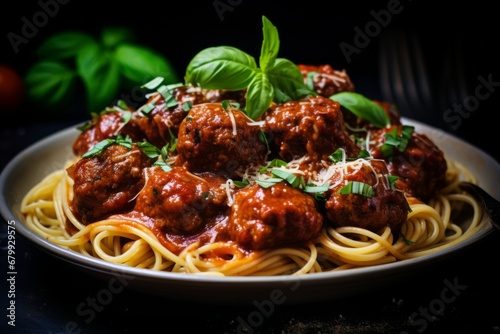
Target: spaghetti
[121,240]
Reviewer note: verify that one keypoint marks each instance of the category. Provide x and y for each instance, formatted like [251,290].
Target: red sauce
[190,203]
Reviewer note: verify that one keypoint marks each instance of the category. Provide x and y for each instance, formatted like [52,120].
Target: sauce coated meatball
[314,126]
[219,95]
[163,121]
[281,215]
[213,139]
[180,202]
[421,166]
[108,182]
[387,206]
[326,81]
[107,125]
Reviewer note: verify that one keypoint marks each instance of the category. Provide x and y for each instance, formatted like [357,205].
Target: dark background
[310,32]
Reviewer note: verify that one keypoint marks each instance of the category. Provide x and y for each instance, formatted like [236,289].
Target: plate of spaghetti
[242,183]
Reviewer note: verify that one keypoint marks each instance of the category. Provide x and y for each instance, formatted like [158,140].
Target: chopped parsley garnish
[338,156]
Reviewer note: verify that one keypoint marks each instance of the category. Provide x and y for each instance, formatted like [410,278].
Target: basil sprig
[362,107]
[225,67]
[104,66]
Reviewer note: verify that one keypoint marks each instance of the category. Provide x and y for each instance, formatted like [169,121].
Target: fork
[490,204]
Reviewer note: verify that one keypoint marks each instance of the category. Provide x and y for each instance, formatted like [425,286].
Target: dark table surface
[457,295]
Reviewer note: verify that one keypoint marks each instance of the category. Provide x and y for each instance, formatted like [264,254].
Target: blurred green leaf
[100,76]
[112,37]
[65,45]
[141,64]
[50,83]
[104,66]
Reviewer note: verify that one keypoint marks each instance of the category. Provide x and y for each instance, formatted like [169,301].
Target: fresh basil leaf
[149,149]
[392,181]
[337,156]
[100,76]
[273,163]
[225,67]
[64,45]
[186,106]
[226,104]
[406,134]
[146,109]
[154,83]
[241,184]
[287,176]
[166,167]
[287,81]
[141,64]
[126,117]
[259,96]
[364,154]
[99,147]
[112,37]
[124,141]
[362,107]
[393,140]
[356,187]
[221,67]
[269,182]
[270,45]
[315,189]
[50,83]
[310,79]
[123,105]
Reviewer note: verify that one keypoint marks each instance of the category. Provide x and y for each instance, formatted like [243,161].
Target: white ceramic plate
[35,162]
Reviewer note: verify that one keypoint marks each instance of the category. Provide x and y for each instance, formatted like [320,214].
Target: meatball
[213,139]
[387,206]
[281,215]
[218,95]
[180,202]
[421,167]
[163,121]
[314,127]
[107,183]
[326,81]
[108,125]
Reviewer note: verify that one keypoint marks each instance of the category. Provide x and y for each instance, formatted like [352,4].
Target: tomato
[11,89]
